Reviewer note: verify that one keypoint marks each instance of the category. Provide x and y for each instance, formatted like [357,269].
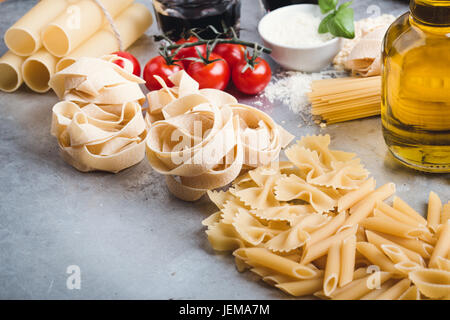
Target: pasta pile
[54,33]
[202,139]
[344,99]
[316,225]
[99,125]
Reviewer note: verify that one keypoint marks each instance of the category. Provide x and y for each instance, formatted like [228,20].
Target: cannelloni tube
[24,37]
[78,24]
[131,24]
[11,72]
[38,69]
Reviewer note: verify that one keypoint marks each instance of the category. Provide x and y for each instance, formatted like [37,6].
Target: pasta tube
[398,215]
[434,211]
[353,197]
[412,293]
[390,226]
[445,215]
[394,253]
[11,72]
[38,69]
[375,256]
[331,278]
[24,37]
[265,258]
[329,229]
[301,288]
[320,249]
[402,206]
[61,37]
[433,283]
[375,293]
[381,241]
[348,257]
[442,247]
[359,288]
[380,194]
[395,291]
[131,24]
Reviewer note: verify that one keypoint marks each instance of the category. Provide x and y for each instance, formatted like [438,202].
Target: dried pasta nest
[99,124]
[203,139]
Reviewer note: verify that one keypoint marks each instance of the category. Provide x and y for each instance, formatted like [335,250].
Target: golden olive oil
[416,87]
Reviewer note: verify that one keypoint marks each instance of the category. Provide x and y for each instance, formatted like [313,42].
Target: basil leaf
[343,24]
[323,27]
[345,5]
[327,5]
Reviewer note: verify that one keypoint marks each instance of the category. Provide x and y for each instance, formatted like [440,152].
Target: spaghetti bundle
[344,99]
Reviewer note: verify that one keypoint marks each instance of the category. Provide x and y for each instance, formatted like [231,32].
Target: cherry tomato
[252,81]
[129,56]
[158,66]
[232,53]
[190,52]
[214,75]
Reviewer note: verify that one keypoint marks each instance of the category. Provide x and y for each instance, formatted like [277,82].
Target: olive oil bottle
[416,86]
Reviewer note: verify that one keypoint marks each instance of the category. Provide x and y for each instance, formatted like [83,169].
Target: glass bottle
[177,16]
[416,86]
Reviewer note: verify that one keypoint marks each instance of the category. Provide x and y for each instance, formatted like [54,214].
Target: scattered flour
[291,88]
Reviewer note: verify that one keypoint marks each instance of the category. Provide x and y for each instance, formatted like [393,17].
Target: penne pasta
[359,288]
[443,263]
[395,291]
[319,249]
[353,197]
[434,211]
[375,293]
[265,258]
[358,274]
[332,270]
[379,194]
[442,247]
[402,206]
[380,241]
[445,214]
[412,293]
[433,283]
[301,288]
[329,229]
[394,253]
[398,215]
[321,262]
[405,267]
[348,259]
[422,248]
[391,226]
[375,256]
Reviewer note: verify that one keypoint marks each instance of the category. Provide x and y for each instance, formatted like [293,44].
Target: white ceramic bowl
[308,58]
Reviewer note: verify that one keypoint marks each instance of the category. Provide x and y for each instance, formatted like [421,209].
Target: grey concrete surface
[129,236]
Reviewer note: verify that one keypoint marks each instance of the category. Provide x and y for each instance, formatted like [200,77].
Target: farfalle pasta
[99,124]
[202,139]
[334,240]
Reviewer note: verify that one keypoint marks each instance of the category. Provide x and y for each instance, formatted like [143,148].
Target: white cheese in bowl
[296,29]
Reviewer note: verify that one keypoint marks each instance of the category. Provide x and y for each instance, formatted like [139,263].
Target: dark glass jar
[271,5]
[176,16]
